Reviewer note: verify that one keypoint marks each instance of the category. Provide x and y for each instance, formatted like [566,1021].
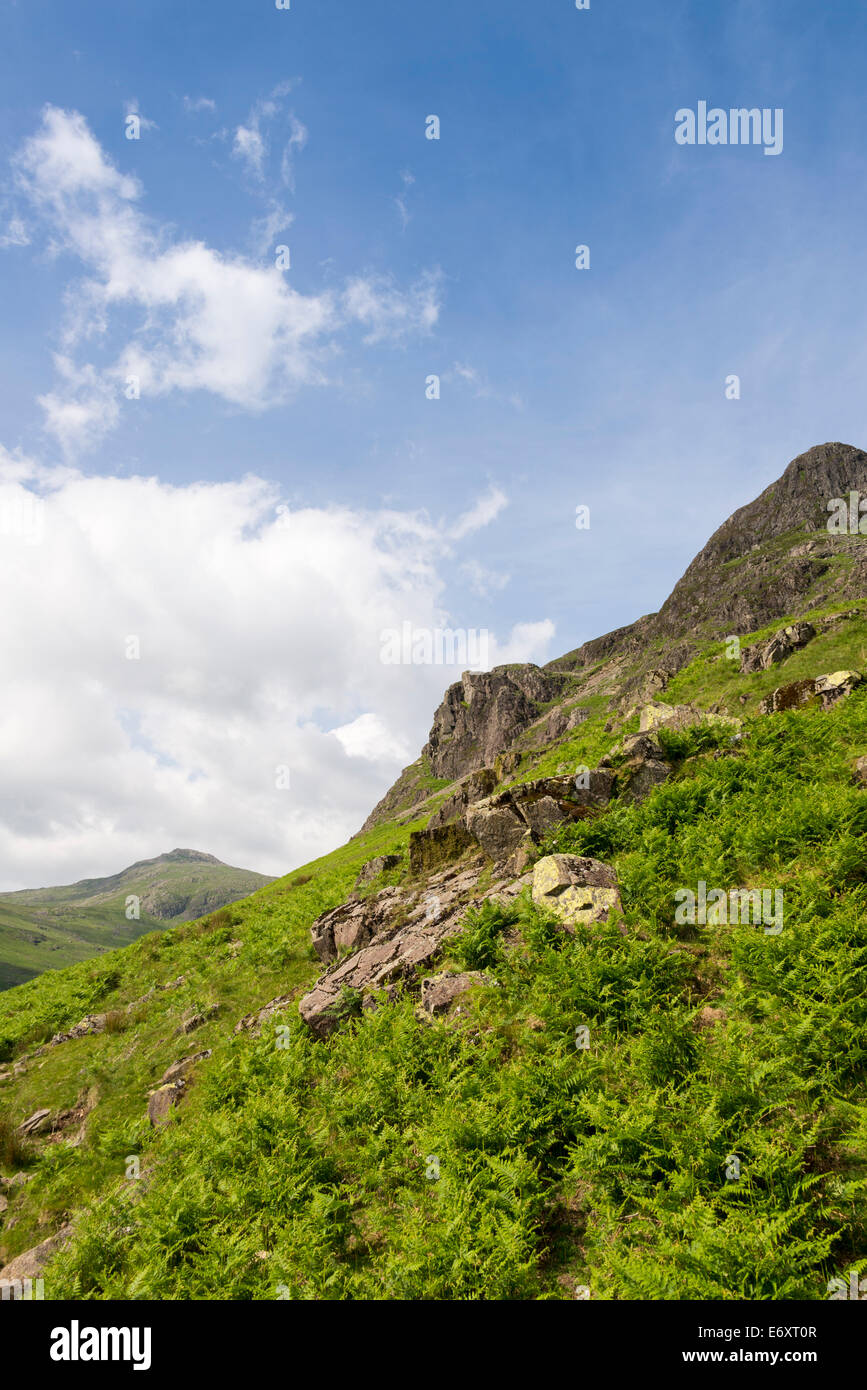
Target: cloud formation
[207,321]
[171,648]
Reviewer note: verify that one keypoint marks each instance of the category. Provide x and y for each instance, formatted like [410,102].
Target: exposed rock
[194,1021]
[507,763]
[252,1023]
[38,1123]
[790,696]
[179,1071]
[483,713]
[577,890]
[353,924]
[835,686]
[396,954]
[473,788]
[93,1023]
[657,715]
[374,867]
[766,654]
[500,823]
[859,771]
[32,1263]
[827,689]
[429,849]
[162,1103]
[439,992]
[497,828]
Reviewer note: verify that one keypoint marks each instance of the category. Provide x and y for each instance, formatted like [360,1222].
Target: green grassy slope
[49,928]
[488,1156]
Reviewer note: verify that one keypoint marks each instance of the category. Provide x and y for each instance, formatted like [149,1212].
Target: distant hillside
[47,928]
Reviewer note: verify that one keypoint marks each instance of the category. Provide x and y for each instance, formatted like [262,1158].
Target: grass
[709,1142]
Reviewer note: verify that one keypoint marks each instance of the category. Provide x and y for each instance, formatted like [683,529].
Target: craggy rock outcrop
[764,655]
[397,953]
[502,822]
[469,790]
[483,713]
[577,890]
[353,924]
[430,849]
[827,690]
[643,768]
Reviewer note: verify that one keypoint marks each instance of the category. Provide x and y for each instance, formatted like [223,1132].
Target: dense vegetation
[494,1154]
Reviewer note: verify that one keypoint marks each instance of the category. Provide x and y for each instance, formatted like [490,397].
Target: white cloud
[260,645]
[482,513]
[16,234]
[199,104]
[387,312]
[208,321]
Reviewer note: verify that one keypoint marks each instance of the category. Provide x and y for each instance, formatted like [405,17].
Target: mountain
[48,928]
[580,1012]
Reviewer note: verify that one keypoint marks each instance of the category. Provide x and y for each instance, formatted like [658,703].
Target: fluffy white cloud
[208,321]
[170,648]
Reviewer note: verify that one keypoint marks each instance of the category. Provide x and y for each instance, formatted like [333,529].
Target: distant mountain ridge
[47,928]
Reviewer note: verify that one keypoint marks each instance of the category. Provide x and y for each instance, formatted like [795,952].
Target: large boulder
[643,768]
[790,696]
[835,686]
[579,891]
[496,826]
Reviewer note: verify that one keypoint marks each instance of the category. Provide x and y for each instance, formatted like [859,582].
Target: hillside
[488,1049]
[49,928]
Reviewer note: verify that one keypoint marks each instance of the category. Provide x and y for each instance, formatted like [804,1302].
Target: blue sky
[560,387]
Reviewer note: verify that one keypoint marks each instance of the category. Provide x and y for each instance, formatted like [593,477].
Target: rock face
[396,954]
[483,713]
[502,823]
[429,849]
[577,890]
[764,655]
[353,924]
[471,789]
[826,689]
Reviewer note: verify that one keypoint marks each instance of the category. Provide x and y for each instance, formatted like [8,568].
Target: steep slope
[478,1097]
[48,928]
